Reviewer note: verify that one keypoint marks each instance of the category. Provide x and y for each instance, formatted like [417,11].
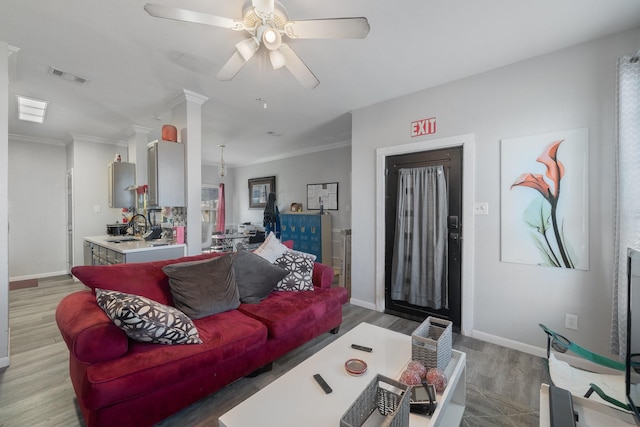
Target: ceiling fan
[266,22]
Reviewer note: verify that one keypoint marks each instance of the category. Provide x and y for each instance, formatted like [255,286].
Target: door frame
[70,234]
[467,142]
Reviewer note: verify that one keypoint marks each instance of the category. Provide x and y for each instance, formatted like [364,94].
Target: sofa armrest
[322,275]
[87,330]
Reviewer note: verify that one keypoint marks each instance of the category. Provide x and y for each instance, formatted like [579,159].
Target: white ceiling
[136,64]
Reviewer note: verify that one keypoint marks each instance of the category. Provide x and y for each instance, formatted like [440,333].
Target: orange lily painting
[544,208]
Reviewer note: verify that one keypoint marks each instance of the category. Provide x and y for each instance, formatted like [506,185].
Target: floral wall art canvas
[545,206]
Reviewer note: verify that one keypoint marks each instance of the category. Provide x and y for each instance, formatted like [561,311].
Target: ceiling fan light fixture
[247,48]
[271,38]
[277,59]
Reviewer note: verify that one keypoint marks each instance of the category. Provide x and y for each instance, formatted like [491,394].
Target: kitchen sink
[120,239]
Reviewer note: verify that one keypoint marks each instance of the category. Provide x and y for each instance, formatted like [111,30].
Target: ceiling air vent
[68,76]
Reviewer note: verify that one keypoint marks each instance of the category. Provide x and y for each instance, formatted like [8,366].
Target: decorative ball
[437,378]
[410,377]
[417,367]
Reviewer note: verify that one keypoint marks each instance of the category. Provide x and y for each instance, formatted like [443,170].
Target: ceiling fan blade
[231,68]
[192,16]
[265,7]
[299,69]
[337,28]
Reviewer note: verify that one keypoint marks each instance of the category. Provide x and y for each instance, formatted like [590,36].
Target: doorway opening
[70,246]
[423,210]
[466,238]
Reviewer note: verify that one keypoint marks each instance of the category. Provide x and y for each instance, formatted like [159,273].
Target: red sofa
[119,381]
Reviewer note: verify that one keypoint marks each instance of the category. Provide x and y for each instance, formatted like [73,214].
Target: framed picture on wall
[545,199]
[322,194]
[259,189]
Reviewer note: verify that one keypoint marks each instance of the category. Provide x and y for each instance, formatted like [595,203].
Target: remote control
[322,383]
[361,347]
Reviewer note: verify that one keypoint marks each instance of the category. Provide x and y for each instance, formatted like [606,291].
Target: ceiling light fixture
[277,59]
[247,48]
[222,169]
[31,110]
[271,38]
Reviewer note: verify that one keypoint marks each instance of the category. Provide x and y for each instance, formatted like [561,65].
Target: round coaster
[355,367]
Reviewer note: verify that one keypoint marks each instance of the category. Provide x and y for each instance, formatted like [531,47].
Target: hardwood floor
[502,384]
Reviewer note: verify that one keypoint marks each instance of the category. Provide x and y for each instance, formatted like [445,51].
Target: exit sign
[423,127]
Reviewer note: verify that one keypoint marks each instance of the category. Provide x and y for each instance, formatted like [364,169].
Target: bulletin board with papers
[325,194]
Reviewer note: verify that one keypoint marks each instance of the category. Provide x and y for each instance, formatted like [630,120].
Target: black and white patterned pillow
[146,320]
[300,268]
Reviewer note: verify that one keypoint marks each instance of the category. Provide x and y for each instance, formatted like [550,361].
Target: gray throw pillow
[255,276]
[203,288]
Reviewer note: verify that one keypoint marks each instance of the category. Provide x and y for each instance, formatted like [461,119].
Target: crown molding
[137,129]
[36,140]
[98,140]
[187,96]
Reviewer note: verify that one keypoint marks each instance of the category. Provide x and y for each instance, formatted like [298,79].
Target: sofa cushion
[146,320]
[147,367]
[271,249]
[283,312]
[300,268]
[255,276]
[203,288]
[145,279]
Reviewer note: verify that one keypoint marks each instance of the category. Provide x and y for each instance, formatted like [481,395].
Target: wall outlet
[96,208]
[571,321]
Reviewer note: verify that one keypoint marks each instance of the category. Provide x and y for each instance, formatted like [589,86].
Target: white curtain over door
[627,233]
[419,267]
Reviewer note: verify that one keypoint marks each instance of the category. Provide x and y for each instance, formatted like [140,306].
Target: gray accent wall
[571,88]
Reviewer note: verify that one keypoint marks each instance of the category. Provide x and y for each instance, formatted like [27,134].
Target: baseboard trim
[38,276]
[4,362]
[572,360]
[363,304]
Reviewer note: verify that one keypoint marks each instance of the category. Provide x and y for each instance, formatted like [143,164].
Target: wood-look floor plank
[502,384]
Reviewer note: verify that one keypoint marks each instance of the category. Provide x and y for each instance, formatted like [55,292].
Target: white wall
[90,159]
[292,176]
[37,209]
[572,88]
[4,201]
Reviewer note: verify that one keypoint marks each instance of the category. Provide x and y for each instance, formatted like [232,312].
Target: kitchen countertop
[116,243]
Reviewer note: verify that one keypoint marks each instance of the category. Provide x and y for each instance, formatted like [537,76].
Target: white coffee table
[295,399]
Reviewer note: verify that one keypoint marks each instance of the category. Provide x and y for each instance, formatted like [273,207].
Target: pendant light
[222,169]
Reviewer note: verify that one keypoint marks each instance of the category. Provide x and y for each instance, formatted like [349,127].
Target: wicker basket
[431,343]
[393,407]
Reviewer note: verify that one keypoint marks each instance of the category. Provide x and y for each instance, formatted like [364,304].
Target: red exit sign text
[423,127]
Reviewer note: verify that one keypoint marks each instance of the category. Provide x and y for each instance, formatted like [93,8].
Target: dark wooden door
[451,160]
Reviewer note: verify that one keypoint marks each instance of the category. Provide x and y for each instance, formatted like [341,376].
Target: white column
[4,205]
[138,139]
[187,118]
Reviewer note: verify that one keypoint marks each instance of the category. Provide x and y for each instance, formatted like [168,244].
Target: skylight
[31,110]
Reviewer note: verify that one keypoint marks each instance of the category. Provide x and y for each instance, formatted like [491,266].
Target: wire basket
[388,396]
[431,343]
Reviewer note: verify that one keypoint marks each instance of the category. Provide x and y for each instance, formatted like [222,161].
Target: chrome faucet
[133,221]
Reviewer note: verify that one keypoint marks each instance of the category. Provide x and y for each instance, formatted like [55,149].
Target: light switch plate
[481,208]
